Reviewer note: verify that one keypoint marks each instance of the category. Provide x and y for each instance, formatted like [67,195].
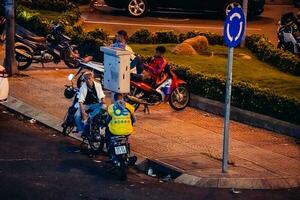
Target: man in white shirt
[90,97]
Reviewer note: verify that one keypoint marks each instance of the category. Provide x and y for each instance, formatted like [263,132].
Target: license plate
[120,150]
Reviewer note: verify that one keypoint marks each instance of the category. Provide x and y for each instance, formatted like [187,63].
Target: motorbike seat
[34,38]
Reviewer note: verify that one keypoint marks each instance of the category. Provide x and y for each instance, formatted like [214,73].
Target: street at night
[39,163]
[149,100]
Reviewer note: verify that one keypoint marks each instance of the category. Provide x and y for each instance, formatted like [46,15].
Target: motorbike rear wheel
[180,97]
[67,130]
[23,61]
[68,124]
[123,170]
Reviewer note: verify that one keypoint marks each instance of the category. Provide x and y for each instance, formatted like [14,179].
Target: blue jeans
[94,110]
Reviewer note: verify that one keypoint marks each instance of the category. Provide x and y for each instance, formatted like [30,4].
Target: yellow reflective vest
[121,123]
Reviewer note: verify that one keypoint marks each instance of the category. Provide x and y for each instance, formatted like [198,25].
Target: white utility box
[116,69]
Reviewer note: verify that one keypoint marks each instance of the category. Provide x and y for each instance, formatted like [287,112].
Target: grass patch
[253,70]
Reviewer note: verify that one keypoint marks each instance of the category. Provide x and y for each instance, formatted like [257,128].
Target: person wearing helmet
[90,98]
[122,116]
[120,122]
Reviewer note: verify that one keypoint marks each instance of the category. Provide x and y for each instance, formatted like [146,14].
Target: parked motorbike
[52,48]
[95,130]
[171,89]
[287,34]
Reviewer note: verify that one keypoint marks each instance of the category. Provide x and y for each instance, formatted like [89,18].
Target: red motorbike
[170,89]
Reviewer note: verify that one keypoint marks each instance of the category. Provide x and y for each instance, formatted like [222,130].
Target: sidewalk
[189,142]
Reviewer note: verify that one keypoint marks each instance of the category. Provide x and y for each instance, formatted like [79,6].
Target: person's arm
[84,115]
[100,92]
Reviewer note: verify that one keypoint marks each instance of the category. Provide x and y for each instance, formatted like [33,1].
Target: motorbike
[170,89]
[2,29]
[53,48]
[286,33]
[94,134]
[119,153]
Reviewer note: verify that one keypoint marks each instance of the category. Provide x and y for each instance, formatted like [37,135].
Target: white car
[4,87]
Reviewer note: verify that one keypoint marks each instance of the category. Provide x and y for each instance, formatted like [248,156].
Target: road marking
[173,20]
[162,25]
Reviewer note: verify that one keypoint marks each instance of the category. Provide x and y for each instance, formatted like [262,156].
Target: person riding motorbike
[156,66]
[90,98]
[120,122]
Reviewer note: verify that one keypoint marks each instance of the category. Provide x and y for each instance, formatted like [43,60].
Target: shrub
[81,2]
[41,25]
[90,43]
[53,5]
[265,51]
[244,95]
[165,37]
[142,36]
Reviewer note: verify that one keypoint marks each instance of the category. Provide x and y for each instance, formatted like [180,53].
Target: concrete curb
[143,162]
[241,183]
[246,117]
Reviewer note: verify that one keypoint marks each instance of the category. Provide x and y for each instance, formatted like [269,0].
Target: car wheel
[137,8]
[230,5]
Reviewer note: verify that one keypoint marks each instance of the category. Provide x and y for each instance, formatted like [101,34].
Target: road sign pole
[227,110]
[10,60]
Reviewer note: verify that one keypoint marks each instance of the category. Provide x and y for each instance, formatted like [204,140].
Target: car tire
[230,5]
[137,8]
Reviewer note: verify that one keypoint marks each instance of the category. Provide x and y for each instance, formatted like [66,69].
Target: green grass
[253,70]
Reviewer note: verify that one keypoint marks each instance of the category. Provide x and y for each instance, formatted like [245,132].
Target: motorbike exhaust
[137,100]
[23,53]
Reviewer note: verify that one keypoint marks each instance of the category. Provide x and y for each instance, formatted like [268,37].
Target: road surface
[112,20]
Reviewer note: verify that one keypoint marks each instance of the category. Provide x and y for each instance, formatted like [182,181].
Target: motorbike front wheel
[23,57]
[180,97]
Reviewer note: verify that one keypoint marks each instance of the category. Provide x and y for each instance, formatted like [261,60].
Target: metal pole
[227,110]
[245,9]
[10,60]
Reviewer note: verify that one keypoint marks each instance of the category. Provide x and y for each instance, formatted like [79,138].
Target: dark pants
[137,62]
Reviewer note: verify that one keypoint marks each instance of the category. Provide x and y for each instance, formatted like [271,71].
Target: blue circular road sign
[234,27]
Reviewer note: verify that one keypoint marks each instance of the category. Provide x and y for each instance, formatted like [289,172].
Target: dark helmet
[69,92]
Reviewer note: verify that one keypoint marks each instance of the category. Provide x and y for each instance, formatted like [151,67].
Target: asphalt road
[38,163]
[112,20]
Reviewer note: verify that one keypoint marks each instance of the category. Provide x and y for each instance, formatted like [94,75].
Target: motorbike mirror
[70,77]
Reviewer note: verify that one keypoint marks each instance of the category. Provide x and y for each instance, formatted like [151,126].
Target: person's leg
[78,121]
[94,110]
[138,63]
